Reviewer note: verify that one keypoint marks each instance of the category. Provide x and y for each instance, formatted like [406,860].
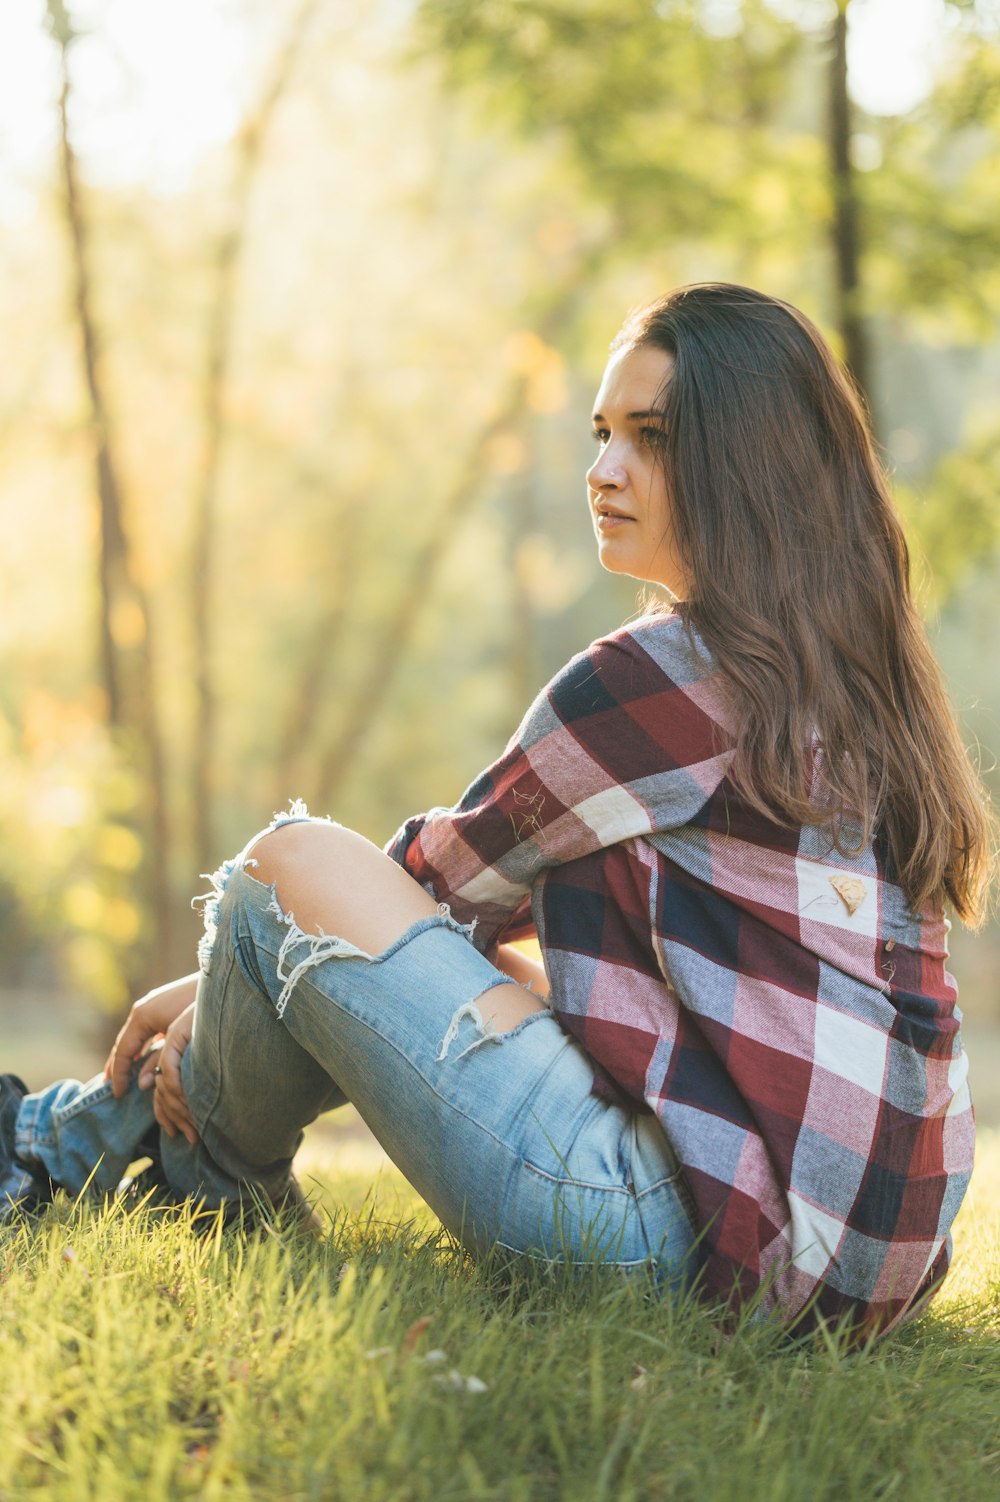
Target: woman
[732,824]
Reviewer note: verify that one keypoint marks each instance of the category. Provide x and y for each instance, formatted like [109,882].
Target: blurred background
[303,305]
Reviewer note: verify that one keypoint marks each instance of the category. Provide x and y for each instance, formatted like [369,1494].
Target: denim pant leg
[250,1086]
[79,1135]
[499,1132]
[82,1137]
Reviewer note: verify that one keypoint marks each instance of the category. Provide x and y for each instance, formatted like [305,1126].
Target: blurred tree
[931,203]
[127,658]
[395,630]
[846,231]
[668,124]
[248,149]
[956,516]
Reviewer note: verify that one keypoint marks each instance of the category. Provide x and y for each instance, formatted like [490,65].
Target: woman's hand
[149,1019]
[161,1069]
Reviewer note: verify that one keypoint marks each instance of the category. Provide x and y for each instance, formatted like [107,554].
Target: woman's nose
[604,473]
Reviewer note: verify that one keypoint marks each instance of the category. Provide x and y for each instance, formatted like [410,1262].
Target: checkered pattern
[800,1046]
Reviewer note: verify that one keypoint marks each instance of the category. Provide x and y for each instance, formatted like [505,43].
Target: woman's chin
[613,557]
[617,561]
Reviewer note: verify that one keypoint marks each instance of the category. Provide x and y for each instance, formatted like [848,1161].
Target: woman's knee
[313,844]
[335,881]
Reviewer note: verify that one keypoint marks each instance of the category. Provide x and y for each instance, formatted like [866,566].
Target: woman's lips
[607,521]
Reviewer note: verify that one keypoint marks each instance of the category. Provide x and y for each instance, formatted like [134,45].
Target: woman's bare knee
[335,881]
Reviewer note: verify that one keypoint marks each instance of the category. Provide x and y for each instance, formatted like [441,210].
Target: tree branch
[218,348]
[398,629]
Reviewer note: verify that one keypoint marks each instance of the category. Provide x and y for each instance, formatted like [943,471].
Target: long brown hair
[801,590]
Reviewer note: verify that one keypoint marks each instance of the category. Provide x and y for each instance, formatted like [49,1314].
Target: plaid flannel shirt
[778,1005]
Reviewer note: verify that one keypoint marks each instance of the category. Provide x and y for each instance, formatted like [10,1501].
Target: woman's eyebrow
[630,416]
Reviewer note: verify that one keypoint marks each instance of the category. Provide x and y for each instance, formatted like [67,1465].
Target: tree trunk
[308,695]
[218,347]
[845,229]
[126,660]
[111,567]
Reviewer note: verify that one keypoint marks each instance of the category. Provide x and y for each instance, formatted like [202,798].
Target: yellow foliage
[91,963]
[526,351]
[544,368]
[120,921]
[770,195]
[53,722]
[552,579]
[118,847]
[83,905]
[557,236]
[505,453]
[547,389]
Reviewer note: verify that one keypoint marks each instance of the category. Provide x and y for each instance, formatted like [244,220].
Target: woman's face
[628,496]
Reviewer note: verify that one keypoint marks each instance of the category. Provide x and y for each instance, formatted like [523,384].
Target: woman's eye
[600,435]
[650,436]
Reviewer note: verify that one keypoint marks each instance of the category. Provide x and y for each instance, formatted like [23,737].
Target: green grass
[143,1361]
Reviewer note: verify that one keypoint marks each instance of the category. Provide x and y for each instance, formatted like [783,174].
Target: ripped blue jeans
[500,1133]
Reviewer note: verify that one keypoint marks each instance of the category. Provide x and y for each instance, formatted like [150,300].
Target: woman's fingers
[169,1103]
[138,1030]
[172,1114]
[160,1066]
[149,1018]
[149,1063]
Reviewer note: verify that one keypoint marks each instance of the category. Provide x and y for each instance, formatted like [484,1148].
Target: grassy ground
[142,1361]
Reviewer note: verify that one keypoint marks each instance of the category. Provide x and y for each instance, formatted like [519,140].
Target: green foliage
[146,1361]
[684,134]
[667,125]
[955,517]
[67,801]
[930,207]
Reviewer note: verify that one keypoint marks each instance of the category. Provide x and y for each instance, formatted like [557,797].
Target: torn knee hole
[484,1032]
[477,1030]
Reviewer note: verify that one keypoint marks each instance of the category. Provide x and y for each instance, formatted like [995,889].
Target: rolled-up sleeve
[613,747]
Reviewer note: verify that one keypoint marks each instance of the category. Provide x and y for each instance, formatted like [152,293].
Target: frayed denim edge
[321,946]
[210,903]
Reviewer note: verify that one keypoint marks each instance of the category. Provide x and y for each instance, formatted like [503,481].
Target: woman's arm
[521,967]
[625,740]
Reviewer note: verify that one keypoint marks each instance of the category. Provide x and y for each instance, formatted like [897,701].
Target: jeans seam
[27,1137]
[561,1181]
[670,1178]
[84,1103]
[203,1123]
[538,1256]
